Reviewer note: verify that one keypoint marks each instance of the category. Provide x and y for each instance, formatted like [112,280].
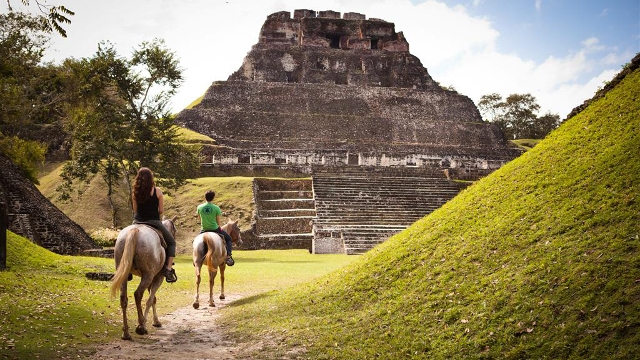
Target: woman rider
[148,206]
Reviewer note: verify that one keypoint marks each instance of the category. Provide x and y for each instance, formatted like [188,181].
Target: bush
[25,154]
[105,237]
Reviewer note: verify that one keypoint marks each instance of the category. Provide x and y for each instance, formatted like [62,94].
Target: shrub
[105,237]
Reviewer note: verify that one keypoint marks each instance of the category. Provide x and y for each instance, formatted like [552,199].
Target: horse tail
[126,262]
[208,258]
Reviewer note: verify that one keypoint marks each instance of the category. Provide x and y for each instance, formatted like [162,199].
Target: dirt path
[186,333]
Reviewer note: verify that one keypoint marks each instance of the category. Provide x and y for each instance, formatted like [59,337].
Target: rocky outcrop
[33,216]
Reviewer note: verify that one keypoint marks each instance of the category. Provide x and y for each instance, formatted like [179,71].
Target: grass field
[50,309]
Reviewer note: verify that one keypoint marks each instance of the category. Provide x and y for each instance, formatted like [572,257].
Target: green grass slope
[539,260]
[233,194]
[48,307]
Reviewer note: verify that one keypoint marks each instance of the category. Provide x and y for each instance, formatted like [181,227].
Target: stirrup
[170,275]
[230,261]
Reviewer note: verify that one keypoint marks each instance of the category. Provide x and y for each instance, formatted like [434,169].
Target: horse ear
[174,219]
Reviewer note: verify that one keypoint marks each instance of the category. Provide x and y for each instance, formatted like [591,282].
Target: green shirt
[209,213]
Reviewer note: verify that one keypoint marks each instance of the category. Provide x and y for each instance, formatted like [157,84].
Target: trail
[186,333]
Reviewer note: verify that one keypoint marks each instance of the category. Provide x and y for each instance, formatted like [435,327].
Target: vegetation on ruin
[189,136]
[50,310]
[541,259]
[195,102]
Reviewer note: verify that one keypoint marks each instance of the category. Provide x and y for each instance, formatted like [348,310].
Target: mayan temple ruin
[341,99]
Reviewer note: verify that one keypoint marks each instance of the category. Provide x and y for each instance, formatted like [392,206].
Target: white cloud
[556,82]
[591,44]
[211,39]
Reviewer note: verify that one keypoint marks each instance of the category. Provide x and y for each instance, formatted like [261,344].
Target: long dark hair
[142,185]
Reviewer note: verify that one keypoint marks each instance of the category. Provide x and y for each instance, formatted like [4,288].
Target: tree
[119,119]
[30,96]
[517,115]
[520,113]
[52,16]
[545,124]
[25,95]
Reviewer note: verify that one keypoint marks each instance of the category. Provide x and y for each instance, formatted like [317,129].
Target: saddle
[162,242]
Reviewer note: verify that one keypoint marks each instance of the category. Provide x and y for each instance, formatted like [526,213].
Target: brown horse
[139,251]
[209,248]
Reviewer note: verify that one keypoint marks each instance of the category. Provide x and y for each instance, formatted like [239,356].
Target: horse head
[234,232]
[170,224]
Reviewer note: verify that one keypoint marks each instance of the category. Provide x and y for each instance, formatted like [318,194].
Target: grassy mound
[234,195]
[539,260]
[47,305]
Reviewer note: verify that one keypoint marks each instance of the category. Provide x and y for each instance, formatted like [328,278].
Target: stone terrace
[284,212]
[358,210]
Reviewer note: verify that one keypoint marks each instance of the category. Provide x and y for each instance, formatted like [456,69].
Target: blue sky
[537,29]
[561,51]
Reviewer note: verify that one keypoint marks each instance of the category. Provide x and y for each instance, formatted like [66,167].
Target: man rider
[210,221]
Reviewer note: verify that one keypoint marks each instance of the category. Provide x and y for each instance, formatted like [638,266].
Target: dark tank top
[149,209]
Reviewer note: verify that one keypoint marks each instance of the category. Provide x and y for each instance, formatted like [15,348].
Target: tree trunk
[127,180]
[114,212]
[3,233]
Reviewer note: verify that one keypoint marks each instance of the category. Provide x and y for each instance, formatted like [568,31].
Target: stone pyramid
[323,91]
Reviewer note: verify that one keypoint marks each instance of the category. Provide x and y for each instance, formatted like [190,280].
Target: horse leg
[144,285]
[157,281]
[196,303]
[222,267]
[212,278]
[123,305]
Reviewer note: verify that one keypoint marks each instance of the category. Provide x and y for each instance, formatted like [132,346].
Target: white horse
[139,251]
[209,248]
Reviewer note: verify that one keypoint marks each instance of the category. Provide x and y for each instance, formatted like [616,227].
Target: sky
[560,51]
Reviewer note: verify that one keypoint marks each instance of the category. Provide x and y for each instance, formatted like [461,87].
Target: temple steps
[285,210]
[286,241]
[285,194]
[363,210]
[354,210]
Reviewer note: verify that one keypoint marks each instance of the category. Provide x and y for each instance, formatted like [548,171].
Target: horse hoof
[141,331]
[196,305]
[221,297]
[126,337]
[212,304]
[157,325]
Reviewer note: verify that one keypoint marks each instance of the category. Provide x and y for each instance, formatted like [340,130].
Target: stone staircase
[357,210]
[285,210]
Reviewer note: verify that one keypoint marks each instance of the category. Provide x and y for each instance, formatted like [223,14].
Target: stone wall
[328,124]
[302,49]
[33,216]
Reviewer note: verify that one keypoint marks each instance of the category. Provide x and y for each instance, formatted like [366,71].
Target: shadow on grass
[274,261]
[252,298]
